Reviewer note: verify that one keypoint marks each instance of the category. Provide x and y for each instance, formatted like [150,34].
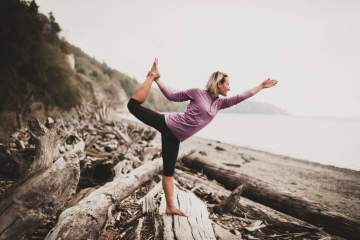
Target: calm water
[332,141]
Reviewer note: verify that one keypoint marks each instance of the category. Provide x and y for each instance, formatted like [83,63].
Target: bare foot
[175,211]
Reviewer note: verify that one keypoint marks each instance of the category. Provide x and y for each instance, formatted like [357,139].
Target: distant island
[249,106]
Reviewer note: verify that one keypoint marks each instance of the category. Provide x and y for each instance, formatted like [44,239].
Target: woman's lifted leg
[143,90]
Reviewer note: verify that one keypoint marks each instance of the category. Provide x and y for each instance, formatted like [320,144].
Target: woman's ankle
[171,207]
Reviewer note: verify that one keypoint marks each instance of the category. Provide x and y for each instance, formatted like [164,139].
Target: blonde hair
[215,78]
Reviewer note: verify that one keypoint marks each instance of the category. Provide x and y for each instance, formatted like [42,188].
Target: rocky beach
[108,169]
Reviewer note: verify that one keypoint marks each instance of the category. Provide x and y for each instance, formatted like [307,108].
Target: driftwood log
[224,200]
[86,219]
[285,202]
[45,188]
[196,226]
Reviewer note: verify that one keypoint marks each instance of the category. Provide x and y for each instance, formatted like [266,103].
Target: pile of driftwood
[92,178]
[72,177]
[57,165]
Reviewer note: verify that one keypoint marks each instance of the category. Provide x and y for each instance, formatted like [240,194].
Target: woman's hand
[269,83]
[153,75]
[154,72]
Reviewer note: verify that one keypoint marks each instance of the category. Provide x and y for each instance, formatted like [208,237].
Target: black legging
[170,144]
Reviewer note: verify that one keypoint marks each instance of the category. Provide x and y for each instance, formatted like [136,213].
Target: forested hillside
[44,75]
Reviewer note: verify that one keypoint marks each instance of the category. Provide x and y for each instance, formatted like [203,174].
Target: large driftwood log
[196,226]
[285,202]
[243,207]
[86,219]
[45,189]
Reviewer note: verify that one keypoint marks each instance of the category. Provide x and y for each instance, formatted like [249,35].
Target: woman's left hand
[269,83]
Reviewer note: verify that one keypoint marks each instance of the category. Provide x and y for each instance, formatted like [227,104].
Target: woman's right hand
[269,83]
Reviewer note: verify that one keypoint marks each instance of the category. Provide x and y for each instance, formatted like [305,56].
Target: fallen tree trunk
[86,219]
[285,202]
[46,187]
[196,226]
[245,208]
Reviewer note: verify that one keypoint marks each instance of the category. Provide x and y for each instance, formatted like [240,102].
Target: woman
[177,127]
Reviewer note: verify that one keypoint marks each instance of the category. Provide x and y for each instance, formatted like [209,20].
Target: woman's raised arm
[176,96]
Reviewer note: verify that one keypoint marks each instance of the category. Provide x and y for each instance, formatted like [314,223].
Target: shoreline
[291,158]
[337,189]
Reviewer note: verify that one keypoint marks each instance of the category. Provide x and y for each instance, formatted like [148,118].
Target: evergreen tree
[32,63]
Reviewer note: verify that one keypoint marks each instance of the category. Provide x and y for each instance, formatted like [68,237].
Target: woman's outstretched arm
[176,96]
[230,101]
[256,89]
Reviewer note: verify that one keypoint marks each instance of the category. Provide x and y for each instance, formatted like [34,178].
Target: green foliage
[55,27]
[94,74]
[80,70]
[32,59]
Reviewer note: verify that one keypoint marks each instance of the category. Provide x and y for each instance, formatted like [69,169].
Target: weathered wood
[243,207]
[222,233]
[120,135]
[86,219]
[196,226]
[263,193]
[47,142]
[150,153]
[45,190]
[230,202]
[53,139]
[140,229]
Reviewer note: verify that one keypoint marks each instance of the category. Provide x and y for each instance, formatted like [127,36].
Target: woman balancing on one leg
[176,127]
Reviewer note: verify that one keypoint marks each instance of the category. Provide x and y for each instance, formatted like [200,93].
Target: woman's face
[224,87]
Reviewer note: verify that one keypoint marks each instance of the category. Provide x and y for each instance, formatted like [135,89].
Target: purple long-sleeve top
[202,108]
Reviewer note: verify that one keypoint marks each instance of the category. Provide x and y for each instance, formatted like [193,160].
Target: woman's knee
[170,150]
[169,172]
[131,104]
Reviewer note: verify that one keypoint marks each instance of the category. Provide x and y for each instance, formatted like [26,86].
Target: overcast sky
[311,47]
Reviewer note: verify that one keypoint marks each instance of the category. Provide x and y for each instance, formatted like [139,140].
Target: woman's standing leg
[170,150]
